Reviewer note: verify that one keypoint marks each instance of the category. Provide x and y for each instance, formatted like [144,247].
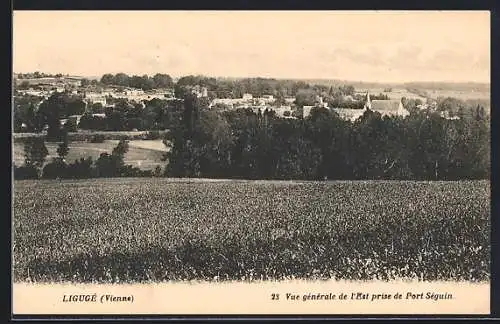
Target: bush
[25,172]
[97,138]
[70,126]
[153,135]
[55,169]
[81,169]
[130,171]
[157,172]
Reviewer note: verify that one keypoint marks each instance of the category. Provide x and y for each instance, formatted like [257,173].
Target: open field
[145,154]
[398,93]
[135,230]
[462,95]
[395,94]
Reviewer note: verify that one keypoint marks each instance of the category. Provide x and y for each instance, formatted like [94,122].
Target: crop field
[145,154]
[140,230]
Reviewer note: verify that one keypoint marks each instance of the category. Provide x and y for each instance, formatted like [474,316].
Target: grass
[140,230]
[145,154]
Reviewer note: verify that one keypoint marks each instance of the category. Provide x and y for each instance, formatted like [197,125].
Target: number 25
[275,296]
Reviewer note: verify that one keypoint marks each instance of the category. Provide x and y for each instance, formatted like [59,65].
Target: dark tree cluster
[144,82]
[243,144]
[156,114]
[257,87]
[38,75]
[341,103]
[25,108]
[37,114]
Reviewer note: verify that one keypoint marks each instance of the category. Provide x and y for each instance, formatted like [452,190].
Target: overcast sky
[366,46]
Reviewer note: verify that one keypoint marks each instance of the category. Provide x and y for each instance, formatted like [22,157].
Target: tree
[112,165]
[55,169]
[35,151]
[57,106]
[180,91]
[97,108]
[25,172]
[69,126]
[279,99]
[122,79]
[81,169]
[347,90]
[163,81]
[84,82]
[63,148]
[305,98]
[72,106]
[107,79]
[24,85]
[118,154]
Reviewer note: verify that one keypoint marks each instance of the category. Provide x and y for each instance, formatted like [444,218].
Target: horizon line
[267,78]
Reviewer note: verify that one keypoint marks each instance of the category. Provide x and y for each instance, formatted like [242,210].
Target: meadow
[154,230]
[144,154]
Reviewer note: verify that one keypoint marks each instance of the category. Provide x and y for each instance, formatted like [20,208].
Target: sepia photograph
[207,149]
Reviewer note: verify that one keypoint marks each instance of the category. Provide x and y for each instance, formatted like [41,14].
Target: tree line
[38,75]
[244,144]
[155,114]
[144,82]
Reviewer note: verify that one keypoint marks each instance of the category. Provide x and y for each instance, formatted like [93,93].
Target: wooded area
[243,144]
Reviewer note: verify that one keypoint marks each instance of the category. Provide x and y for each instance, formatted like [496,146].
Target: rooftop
[385,105]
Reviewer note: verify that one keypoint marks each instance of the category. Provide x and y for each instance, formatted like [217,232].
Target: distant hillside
[433,86]
[457,86]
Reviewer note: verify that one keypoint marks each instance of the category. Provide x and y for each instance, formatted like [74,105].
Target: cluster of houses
[388,107]
[256,104]
[384,107]
[92,95]
[137,95]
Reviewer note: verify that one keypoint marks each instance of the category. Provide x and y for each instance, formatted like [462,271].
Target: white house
[247,96]
[306,111]
[94,97]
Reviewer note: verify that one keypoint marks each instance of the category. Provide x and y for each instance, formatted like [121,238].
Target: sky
[371,46]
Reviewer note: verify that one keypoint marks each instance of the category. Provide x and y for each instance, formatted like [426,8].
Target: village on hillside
[96,97]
